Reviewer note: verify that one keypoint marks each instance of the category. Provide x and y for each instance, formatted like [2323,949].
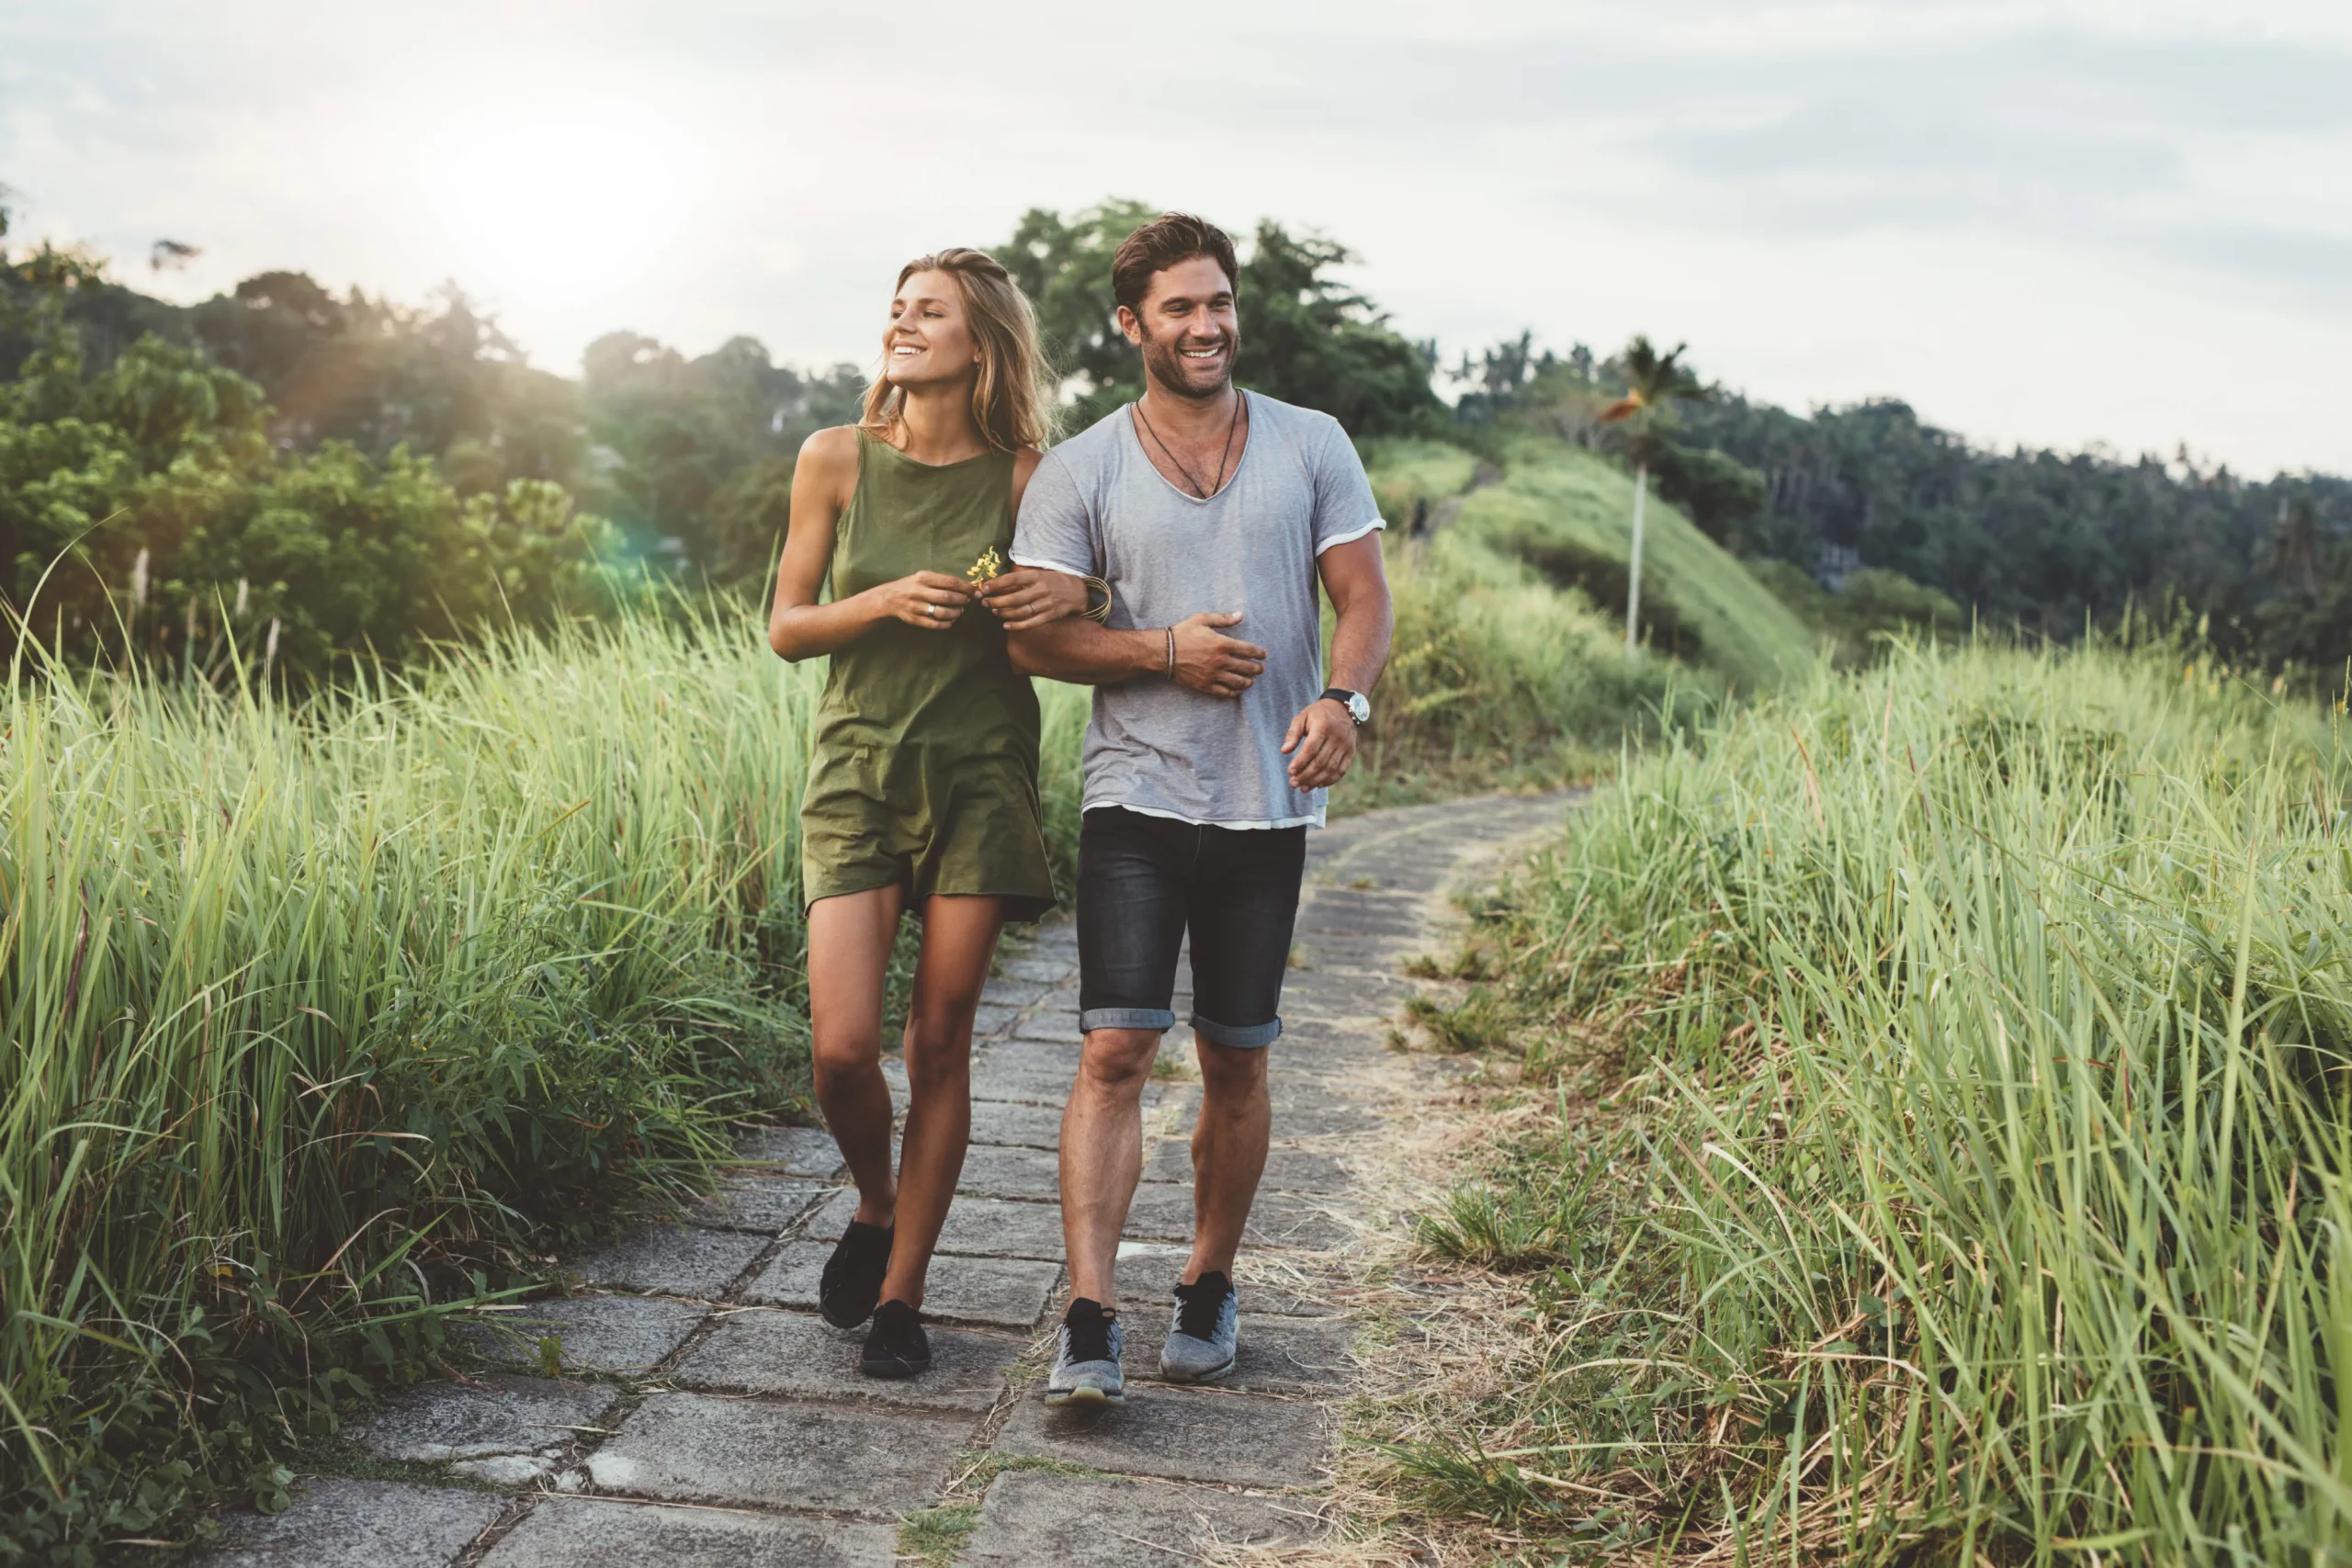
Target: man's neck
[1188,418]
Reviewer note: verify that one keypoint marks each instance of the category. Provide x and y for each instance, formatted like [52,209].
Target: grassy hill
[1510,664]
[1569,513]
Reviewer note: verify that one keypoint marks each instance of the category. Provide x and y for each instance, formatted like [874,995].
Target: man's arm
[1195,654]
[1322,742]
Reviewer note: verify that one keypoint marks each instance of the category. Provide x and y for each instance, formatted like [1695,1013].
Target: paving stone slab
[1006,1123]
[594,1532]
[1043,970]
[674,1261]
[1051,1025]
[1038,1075]
[992,1172]
[978,1227]
[1276,1355]
[989,1021]
[1287,1171]
[1236,1439]
[996,1293]
[340,1523]
[1163,1210]
[1372,959]
[1271,1284]
[1008,991]
[621,1335]
[697,1449]
[765,1204]
[1057,940]
[791,1151]
[500,1413]
[795,1354]
[1029,1519]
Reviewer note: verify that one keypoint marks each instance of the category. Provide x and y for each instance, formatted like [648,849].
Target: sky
[2071,223]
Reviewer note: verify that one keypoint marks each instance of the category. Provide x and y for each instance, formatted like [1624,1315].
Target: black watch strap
[1346,699]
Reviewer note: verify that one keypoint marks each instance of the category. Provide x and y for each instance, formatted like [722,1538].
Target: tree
[1653,382]
[1716,489]
[696,454]
[147,509]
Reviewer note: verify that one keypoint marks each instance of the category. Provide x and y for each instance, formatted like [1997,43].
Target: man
[1212,514]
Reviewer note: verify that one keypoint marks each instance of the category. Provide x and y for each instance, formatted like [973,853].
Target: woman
[922,786]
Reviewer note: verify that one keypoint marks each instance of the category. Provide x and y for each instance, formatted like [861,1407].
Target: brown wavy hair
[1013,396]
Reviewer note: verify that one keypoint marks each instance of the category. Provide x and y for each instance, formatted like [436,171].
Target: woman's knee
[839,1058]
[938,1060]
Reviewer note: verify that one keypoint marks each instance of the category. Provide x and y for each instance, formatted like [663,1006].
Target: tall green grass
[319,1017]
[1498,677]
[1970,1185]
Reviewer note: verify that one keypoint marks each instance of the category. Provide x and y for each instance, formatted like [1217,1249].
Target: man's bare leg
[1229,1153]
[1101,1156]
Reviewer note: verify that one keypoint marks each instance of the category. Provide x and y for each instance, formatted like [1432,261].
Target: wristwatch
[1359,706]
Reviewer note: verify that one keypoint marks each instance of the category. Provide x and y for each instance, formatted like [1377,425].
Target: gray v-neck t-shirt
[1097,507]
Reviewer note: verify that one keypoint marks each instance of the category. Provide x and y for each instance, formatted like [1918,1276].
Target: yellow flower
[990,565]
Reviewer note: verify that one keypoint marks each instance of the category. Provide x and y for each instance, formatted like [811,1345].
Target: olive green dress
[925,772]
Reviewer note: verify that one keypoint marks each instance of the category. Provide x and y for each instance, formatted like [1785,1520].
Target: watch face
[1359,708]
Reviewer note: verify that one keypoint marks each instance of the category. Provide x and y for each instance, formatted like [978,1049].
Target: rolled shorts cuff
[1250,1037]
[1091,1019]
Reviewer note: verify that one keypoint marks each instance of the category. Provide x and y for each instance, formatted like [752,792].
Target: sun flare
[562,207]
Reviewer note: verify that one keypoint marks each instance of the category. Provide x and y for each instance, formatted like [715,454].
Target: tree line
[1867,516]
[282,476]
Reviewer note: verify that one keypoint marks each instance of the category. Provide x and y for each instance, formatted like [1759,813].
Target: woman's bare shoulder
[836,446]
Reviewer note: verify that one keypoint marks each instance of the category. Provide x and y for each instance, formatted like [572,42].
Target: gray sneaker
[1205,1333]
[1085,1357]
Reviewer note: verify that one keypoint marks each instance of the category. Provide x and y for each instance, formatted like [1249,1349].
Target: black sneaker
[852,1277]
[897,1347]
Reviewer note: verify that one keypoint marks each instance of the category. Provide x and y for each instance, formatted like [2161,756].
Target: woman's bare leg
[958,941]
[849,960]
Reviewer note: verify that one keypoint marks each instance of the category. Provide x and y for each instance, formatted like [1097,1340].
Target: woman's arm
[798,627]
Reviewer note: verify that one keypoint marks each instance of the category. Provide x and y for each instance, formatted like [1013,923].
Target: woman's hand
[1029,596]
[929,599]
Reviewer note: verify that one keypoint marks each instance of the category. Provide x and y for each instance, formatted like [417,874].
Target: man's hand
[1320,744]
[1209,661]
[1028,597]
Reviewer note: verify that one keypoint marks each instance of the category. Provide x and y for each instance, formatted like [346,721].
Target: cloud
[1827,199]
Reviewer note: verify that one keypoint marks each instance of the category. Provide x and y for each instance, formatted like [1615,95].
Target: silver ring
[931,610]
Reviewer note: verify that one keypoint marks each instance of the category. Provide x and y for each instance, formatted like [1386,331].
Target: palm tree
[1652,381]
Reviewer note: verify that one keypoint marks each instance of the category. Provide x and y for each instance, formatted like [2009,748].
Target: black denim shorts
[1144,881]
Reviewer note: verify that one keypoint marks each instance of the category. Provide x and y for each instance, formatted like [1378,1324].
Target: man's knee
[1118,1060]
[1231,1069]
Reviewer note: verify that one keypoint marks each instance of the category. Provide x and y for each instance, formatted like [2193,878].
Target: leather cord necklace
[1240,400]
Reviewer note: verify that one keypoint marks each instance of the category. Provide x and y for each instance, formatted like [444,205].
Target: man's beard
[1174,372]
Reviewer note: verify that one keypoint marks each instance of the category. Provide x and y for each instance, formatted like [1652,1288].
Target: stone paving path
[704,1417]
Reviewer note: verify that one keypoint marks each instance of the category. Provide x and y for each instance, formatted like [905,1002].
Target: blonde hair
[1012,397]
